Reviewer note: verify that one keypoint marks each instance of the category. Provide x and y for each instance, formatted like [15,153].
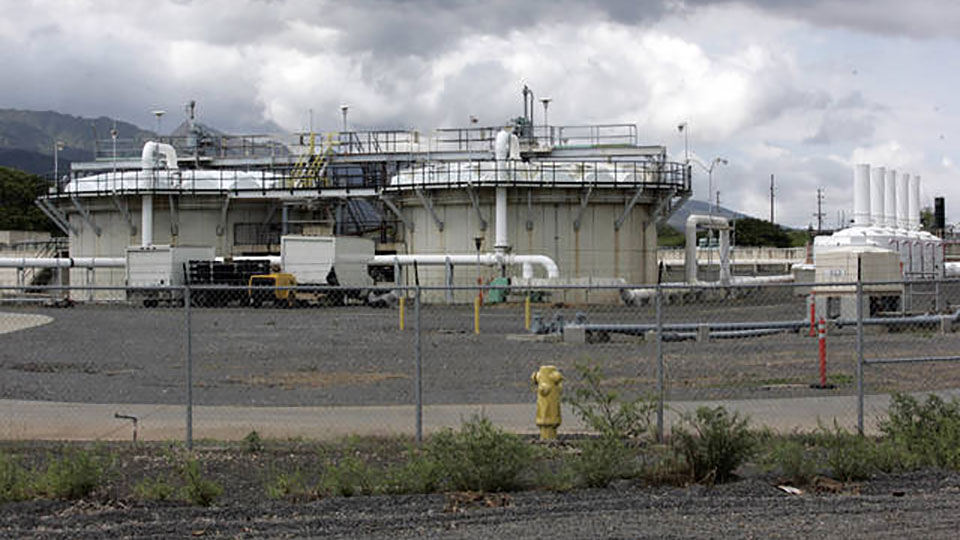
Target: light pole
[473,123]
[159,114]
[716,161]
[113,136]
[546,122]
[682,128]
[343,111]
[57,147]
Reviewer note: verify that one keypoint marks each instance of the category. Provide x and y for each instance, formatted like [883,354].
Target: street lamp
[159,114]
[546,123]
[682,128]
[716,161]
[113,135]
[57,147]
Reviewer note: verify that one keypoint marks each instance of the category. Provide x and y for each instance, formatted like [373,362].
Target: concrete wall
[595,250]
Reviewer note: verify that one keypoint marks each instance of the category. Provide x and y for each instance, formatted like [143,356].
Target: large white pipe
[903,203]
[877,181]
[861,195]
[890,200]
[146,220]
[486,259]
[690,258]
[148,162]
[148,156]
[63,262]
[502,245]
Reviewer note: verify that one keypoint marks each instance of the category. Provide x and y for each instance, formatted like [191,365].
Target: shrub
[605,411]
[72,476]
[197,489]
[253,442]
[796,461]
[480,457]
[719,443]
[849,456]
[602,460]
[288,486]
[154,489]
[348,477]
[928,432]
[14,481]
[418,474]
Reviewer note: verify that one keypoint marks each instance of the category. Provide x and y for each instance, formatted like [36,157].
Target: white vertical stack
[913,208]
[861,195]
[903,203]
[877,181]
[890,200]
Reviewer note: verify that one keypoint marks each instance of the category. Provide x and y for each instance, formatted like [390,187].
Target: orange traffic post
[822,349]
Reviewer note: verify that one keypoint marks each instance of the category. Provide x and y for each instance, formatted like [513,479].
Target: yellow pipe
[403,302]
[526,313]
[476,314]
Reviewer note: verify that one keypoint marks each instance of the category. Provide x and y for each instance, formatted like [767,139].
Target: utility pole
[819,214]
[771,199]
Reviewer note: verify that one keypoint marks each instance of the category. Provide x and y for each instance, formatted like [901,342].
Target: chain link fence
[219,362]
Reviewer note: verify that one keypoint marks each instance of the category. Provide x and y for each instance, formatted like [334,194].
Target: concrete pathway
[11,322]
[44,420]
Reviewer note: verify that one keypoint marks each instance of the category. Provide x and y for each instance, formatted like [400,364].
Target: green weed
[73,475]
[197,489]
[714,443]
[481,457]
[606,411]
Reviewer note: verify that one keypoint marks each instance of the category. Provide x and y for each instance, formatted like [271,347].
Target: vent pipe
[914,203]
[877,179]
[890,200]
[502,245]
[903,201]
[861,195]
[146,220]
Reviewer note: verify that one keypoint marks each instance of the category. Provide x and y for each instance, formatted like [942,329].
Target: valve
[549,383]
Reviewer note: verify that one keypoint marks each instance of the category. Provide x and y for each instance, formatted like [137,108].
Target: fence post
[936,299]
[418,390]
[189,363]
[859,350]
[659,347]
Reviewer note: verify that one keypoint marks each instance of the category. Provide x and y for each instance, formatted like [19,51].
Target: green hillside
[27,138]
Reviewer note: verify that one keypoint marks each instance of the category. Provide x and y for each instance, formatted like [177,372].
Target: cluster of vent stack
[886,215]
[884,198]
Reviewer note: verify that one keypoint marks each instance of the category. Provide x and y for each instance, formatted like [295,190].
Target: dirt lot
[913,505]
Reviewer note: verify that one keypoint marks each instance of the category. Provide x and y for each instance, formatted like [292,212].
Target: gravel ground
[923,504]
[916,506]
[357,356]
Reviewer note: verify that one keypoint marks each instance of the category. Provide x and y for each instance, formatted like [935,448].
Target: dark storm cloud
[427,28]
[915,19]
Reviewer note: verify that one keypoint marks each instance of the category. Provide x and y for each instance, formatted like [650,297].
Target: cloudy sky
[801,89]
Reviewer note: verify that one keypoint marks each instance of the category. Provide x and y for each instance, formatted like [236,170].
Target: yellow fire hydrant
[549,383]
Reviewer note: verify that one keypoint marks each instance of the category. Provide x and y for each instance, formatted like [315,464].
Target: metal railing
[614,175]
